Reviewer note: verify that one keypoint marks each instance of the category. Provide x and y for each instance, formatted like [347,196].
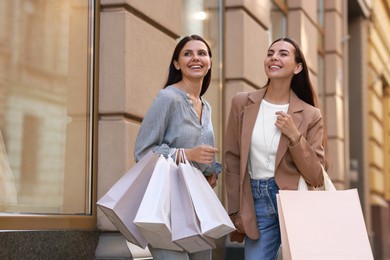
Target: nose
[195,57]
[274,57]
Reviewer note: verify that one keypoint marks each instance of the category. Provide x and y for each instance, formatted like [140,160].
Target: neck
[277,95]
[193,89]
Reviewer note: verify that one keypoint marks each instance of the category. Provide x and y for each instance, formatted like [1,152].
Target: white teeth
[275,67]
[196,67]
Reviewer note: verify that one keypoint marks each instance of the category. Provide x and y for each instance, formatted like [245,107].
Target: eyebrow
[195,50]
[282,50]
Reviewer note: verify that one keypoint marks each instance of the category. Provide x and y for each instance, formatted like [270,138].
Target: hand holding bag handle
[328,185]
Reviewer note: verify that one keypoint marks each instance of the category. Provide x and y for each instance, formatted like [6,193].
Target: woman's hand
[203,153]
[212,179]
[286,125]
[237,221]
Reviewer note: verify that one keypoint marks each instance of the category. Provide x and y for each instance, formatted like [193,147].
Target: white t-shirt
[265,141]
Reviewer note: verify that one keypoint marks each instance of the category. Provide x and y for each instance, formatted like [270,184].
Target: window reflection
[44,111]
[278,26]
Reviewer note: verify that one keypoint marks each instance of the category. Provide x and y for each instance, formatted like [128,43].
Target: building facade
[78,76]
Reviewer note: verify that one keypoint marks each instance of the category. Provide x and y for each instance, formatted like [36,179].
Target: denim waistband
[263,181]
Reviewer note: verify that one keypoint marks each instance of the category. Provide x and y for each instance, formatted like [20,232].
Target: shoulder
[309,113]
[168,93]
[311,110]
[300,106]
[168,96]
[240,99]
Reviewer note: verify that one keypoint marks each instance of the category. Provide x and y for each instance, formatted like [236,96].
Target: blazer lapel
[249,119]
[294,108]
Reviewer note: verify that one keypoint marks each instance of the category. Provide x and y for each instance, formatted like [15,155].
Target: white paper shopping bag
[214,220]
[322,225]
[121,202]
[153,218]
[185,224]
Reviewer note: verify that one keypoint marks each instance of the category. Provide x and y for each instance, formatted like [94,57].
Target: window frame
[30,221]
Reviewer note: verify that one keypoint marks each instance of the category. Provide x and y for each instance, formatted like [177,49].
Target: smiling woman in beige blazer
[274,135]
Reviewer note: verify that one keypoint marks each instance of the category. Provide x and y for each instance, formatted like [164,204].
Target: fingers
[207,153]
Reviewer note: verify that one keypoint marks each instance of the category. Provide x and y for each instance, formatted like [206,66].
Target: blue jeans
[266,247]
[164,254]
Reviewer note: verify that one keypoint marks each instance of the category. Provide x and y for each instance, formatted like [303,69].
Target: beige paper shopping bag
[214,220]
[185,224]
[153,218]
[121,202]
[322,225]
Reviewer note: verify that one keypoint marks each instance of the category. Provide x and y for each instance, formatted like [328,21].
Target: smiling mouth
[196,67]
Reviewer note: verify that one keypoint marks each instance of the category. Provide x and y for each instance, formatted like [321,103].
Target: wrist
[295,140]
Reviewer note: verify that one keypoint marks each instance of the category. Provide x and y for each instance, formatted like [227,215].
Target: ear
[298,68]
[176,64]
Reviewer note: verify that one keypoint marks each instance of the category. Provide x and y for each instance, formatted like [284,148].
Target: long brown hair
[302,87]
[300,83]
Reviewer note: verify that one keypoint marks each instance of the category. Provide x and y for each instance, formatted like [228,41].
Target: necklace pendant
[267,163]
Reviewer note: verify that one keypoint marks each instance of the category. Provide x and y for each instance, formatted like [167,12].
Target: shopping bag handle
[328,185]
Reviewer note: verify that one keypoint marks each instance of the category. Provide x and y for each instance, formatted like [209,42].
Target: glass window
[46,79]
[278,27]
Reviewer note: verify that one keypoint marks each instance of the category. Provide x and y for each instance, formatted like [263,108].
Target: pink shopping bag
[322,225]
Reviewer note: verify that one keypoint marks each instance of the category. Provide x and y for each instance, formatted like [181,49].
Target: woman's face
[280,61]
[194,60]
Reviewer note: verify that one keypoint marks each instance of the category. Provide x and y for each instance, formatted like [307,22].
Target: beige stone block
[337,169]
[301,29]
[377,180]
[333,32]
[375,105]
[336,5]
[246,48]
[165,13]
[259,9]
[335,117]
[334,75]
[133,68]
[309,6]
[376,154]
[376,129]
[115,156]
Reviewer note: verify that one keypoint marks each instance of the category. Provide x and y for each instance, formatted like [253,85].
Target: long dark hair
[300,83]
[175,75]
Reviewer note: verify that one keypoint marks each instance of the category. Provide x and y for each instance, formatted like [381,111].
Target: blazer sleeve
[232,153]
[308,154]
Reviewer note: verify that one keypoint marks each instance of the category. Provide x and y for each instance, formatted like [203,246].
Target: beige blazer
[304,158]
